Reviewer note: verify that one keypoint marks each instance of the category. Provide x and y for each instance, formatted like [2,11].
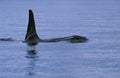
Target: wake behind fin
[31,37]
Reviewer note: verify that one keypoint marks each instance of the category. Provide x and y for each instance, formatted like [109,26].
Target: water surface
[99,21]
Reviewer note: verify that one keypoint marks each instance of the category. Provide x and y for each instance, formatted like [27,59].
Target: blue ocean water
[99,21]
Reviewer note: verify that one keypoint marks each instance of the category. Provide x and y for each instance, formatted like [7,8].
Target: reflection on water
[30,69]
[31,52]
[32,57]
[31,48]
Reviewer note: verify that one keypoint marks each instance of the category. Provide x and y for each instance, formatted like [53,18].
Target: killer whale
[7,39]
[32,38]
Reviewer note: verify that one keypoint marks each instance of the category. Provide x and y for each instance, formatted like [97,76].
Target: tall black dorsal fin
[31,36]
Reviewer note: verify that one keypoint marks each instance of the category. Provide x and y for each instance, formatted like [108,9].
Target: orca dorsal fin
[31,35]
